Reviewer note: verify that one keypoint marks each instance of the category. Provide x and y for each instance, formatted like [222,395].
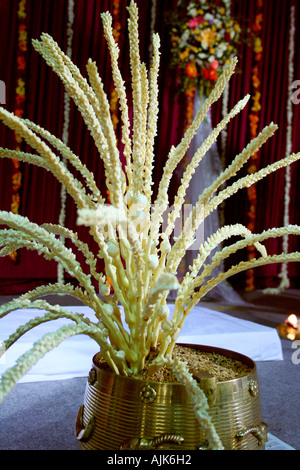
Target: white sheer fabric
[207,171]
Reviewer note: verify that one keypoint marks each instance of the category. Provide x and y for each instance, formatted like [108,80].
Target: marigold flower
[191,70]
[183,55]
[210,74]
[208,36]
[213,75]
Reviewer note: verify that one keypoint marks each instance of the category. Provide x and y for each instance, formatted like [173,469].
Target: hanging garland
[254,119]
[19,109]
[189,106]
[285,282]
[152,28]
[65,133]
[224,133]
[225,101]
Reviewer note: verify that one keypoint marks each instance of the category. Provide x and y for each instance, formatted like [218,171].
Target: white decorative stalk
[138,253]
[66,125]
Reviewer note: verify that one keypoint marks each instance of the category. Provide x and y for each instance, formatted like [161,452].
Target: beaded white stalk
[133,237]
[65,133]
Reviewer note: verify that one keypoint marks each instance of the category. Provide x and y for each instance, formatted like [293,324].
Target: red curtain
[274,95]
[39,191]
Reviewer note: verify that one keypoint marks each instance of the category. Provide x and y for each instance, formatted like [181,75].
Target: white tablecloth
[73,357]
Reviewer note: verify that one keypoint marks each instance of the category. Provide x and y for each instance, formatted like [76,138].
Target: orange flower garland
[189,103]
[254,119]
[19,108]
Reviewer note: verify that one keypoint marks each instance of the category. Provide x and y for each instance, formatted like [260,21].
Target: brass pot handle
[82,433]
[148,444]
[260,432]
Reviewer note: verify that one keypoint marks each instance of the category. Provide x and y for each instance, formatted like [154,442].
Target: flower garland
[65,133]
[19,109]
[224,133]
[204,38]
[225,101]
[254,118]
[152,28]
[285,282]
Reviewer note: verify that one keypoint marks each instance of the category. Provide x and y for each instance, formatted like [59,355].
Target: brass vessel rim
[204,348]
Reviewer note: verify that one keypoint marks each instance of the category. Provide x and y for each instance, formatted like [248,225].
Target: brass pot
[121,412]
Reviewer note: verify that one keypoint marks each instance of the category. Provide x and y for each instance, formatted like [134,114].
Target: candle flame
[291,336]
[292,320]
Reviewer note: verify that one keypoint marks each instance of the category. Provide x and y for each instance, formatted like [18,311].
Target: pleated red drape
[40,192]
[274,95]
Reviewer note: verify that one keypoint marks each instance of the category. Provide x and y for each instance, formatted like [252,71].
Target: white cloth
[205,174]
[73,357]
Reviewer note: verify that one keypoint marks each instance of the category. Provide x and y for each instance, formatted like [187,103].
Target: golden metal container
[120,412]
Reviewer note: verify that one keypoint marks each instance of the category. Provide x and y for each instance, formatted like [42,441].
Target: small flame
[291,336]
[292,320]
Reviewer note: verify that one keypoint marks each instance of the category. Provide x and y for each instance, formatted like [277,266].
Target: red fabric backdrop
[40,193]
[274,96]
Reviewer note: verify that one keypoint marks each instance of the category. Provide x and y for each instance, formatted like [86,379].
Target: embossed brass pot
[120,412]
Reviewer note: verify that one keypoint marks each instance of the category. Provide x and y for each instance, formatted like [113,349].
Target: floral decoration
[254,120]
[204,37]
[65,131]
